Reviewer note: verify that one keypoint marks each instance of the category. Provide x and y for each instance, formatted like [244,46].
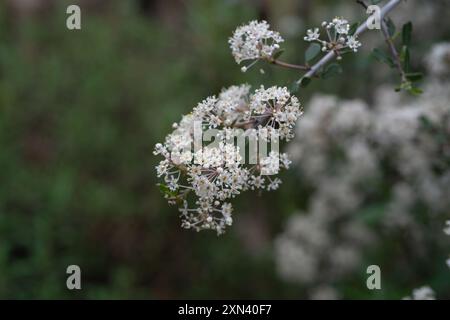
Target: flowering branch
[390,44]
[393,50]
[203,178]
[362,28]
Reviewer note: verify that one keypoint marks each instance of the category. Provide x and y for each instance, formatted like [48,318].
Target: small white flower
[341,25]
[353,43]
[274,184]
[312,35]
[172,183]
[284,159]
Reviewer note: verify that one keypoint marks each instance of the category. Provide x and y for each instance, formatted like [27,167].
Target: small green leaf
[405,58]
[331,70]
[391,27]
[166,191]
[163,188]
[305,81]
[406,34]
[382,57]
[415,91]
[414,76]
[278,54]
[353,28]
[295,86]
[312,51]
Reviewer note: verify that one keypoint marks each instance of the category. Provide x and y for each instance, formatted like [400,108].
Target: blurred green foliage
[80,112]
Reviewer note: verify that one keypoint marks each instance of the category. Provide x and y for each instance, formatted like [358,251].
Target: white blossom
[353,44]
[205,180]
[312,35]
[254,41]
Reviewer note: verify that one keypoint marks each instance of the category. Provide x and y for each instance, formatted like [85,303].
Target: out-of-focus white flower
[324,293]
[447,228]
[438,61]
[345,151]
[254,41]
[422,293]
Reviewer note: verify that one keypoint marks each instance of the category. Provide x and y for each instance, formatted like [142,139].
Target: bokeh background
[80,112]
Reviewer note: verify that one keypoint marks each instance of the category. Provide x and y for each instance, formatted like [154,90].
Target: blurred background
[80,113]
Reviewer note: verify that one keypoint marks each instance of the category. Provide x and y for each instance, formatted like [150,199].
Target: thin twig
[393,50]
[290,65]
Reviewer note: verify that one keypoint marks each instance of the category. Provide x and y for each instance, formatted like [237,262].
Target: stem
[362,28]
[390,44]
[289,65]
[394,51]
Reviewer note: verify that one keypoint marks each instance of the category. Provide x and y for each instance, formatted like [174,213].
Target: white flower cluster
[210,176]
[318,249]
[254,41]
[356,160]
[338,36]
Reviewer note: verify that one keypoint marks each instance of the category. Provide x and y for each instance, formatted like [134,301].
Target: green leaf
[278,54]
[166,191]
[375,1]
[295,86]
[405,58]
[382,57]
[312,51]
[331,70]
[305,81]
[163,188]
[353,28]
[414,76]
[391,27]
[406,34]
[415,91]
